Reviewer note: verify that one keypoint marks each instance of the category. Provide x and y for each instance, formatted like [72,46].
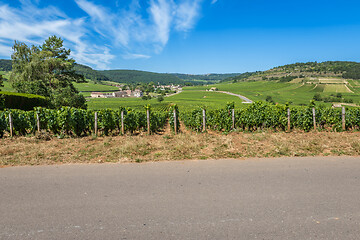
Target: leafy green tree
[46,70]
[269,99]
[317,97]
[160,98]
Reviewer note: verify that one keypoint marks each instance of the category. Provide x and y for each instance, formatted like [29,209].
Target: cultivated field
[91,87]
[187,100]
[297,93]
[332,81]
[192,97]
[337,88]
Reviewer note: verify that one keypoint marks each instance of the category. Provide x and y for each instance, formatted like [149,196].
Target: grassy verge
[166,146]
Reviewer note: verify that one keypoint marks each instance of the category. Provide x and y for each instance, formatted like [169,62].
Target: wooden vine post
[289,123]
[204,120]
[314,118]
[96,123]
[343,119]
[233,118]
[122,123]
[148,120]
[38,122]
[11,125]
[175,121]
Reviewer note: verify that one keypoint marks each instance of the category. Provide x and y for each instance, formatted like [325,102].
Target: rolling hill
[134,76]
[305,71]
[90,73]
[5,65]
[119,76]
[205,78]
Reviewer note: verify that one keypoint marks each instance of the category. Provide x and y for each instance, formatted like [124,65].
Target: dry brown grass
[33,151]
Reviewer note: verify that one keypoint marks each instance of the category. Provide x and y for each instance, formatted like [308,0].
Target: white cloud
[135,56]
[131,30]
[5,50]
[33,25]
[186,14]
[214,1]
[137,31]
[162,16]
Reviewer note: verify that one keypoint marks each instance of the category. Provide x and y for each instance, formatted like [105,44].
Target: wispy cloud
[187,14]
[136,31]
[135,56]
[214,1]
[31,24]
[130,29]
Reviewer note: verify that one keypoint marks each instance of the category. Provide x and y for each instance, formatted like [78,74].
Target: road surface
[286,198]
[246,100]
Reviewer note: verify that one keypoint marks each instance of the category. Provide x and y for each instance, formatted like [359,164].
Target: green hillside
[5,65]
[90,73]
[239,77]
[134,76]
[305,71]
[119,76]
[205,78]
[295,93]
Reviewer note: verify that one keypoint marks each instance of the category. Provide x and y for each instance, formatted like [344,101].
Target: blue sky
[187,36]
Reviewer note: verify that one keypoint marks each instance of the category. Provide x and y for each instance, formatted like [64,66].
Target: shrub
[22,101]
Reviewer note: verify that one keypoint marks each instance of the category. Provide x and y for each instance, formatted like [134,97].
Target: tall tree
[46,70]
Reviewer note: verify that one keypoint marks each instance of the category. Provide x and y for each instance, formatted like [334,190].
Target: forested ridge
[135,76]
[340,69]
[211,77]
[343,69]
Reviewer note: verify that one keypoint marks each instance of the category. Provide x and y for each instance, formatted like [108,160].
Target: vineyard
[255,117]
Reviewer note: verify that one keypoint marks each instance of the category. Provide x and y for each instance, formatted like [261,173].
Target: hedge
[22,101]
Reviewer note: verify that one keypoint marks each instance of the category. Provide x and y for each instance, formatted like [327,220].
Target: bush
[22,101]
[317,97]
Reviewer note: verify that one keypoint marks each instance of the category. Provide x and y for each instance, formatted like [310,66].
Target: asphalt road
[246,100]
[301,198]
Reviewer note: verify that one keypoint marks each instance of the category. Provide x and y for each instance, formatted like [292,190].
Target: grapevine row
[79,122]
[257,116]
[262,115]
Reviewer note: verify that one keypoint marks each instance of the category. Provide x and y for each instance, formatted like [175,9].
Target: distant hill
[205,78]
[286,73]
[90,73]
[5,65]
[120,76]
[339,69]
[240,77]
[134,76]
